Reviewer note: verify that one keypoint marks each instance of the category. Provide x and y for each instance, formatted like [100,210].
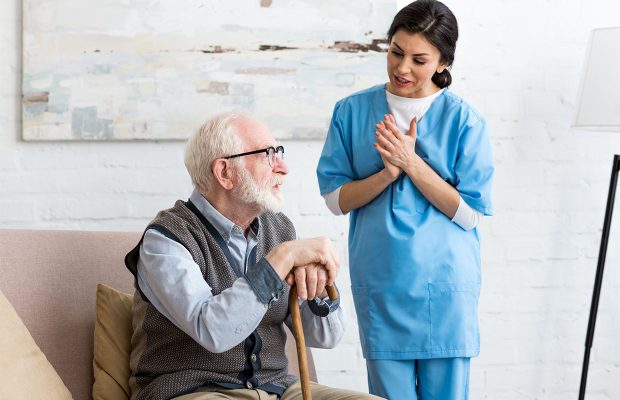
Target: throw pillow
[26,372]
[112,345]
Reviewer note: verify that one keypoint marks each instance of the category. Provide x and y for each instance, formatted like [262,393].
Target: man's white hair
[216,138]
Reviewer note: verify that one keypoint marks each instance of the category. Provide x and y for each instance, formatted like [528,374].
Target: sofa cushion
[26,372]
[50,278]
[112,344]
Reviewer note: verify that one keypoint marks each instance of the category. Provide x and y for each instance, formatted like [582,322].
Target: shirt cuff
[332,200]
[323,306]
[265,282]
[465,216]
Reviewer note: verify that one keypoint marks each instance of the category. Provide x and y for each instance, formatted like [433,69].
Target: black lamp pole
[599,274]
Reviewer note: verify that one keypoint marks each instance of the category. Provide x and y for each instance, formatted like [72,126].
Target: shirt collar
[223,225]
[413,101]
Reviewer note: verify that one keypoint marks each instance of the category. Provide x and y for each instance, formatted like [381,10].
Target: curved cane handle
[332,292]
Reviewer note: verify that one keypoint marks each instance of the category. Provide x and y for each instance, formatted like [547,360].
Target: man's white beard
[251,193]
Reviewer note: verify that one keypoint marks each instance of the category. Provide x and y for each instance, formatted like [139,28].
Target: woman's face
[411,63]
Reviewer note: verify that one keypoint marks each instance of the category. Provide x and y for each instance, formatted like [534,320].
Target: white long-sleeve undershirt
[465,216]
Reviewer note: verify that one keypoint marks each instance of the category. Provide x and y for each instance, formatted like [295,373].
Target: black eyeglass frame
[276,151]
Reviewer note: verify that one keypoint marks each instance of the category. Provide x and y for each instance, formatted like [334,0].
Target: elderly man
[211,278]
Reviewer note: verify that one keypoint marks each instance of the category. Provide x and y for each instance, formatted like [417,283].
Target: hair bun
[443,79]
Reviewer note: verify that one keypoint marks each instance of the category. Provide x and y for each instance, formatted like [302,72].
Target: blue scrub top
[415,274]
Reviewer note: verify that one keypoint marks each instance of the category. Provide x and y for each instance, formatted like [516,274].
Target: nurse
[411,164]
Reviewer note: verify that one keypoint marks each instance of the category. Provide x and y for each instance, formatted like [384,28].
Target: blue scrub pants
[432,379]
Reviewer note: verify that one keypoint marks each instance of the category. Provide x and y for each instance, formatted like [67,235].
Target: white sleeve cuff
[331,199]
[466,217]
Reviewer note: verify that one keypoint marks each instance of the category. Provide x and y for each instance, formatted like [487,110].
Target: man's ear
[223,173]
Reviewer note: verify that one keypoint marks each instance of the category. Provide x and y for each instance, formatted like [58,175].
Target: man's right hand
[314,258]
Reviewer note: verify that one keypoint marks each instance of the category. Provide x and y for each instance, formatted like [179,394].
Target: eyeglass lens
[271,154]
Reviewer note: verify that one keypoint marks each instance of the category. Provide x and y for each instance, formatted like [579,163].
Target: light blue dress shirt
[173,283]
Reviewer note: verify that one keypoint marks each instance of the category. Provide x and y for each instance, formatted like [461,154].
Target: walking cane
[300,342]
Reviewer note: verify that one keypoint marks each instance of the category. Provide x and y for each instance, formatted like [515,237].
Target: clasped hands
[311,264]
[397,150]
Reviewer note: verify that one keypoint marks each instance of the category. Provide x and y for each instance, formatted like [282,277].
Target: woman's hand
[395,148]
[389,169]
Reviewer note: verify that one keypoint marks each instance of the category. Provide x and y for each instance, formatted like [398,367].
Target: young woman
[411,162]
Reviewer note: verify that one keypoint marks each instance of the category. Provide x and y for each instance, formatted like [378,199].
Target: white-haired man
[211,274]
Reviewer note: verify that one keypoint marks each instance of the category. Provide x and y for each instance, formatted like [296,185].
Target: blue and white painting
[156,69]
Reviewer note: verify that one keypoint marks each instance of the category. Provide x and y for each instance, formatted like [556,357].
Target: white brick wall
[519,63]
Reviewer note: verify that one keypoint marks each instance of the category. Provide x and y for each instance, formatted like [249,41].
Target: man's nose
[279,165]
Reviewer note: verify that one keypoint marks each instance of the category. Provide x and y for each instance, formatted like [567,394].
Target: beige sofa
[51,278]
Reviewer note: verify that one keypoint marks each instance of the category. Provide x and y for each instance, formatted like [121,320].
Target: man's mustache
[278,179]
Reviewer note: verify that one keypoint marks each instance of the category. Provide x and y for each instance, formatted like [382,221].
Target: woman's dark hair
[437,24]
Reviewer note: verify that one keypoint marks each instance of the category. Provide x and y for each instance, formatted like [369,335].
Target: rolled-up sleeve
[334,168]
[474,167]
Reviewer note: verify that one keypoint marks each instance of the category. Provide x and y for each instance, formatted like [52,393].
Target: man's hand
[310,279]
[316,264]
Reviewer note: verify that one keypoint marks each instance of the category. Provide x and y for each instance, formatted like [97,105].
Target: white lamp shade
[599,99]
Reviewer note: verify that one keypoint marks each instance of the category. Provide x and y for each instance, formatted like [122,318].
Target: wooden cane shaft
[300,342]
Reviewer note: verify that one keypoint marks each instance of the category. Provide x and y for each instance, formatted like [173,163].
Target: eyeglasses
[270,151]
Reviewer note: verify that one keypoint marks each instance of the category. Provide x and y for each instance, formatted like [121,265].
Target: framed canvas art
[155,69]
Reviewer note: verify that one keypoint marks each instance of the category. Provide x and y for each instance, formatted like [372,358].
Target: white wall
[519,63]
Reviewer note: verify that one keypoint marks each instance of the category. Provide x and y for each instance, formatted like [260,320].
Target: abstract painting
[156,69]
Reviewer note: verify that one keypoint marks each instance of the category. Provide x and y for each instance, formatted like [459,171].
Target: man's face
[258,181]
[251,191]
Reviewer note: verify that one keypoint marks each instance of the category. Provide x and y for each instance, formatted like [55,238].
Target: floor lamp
[599,109]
